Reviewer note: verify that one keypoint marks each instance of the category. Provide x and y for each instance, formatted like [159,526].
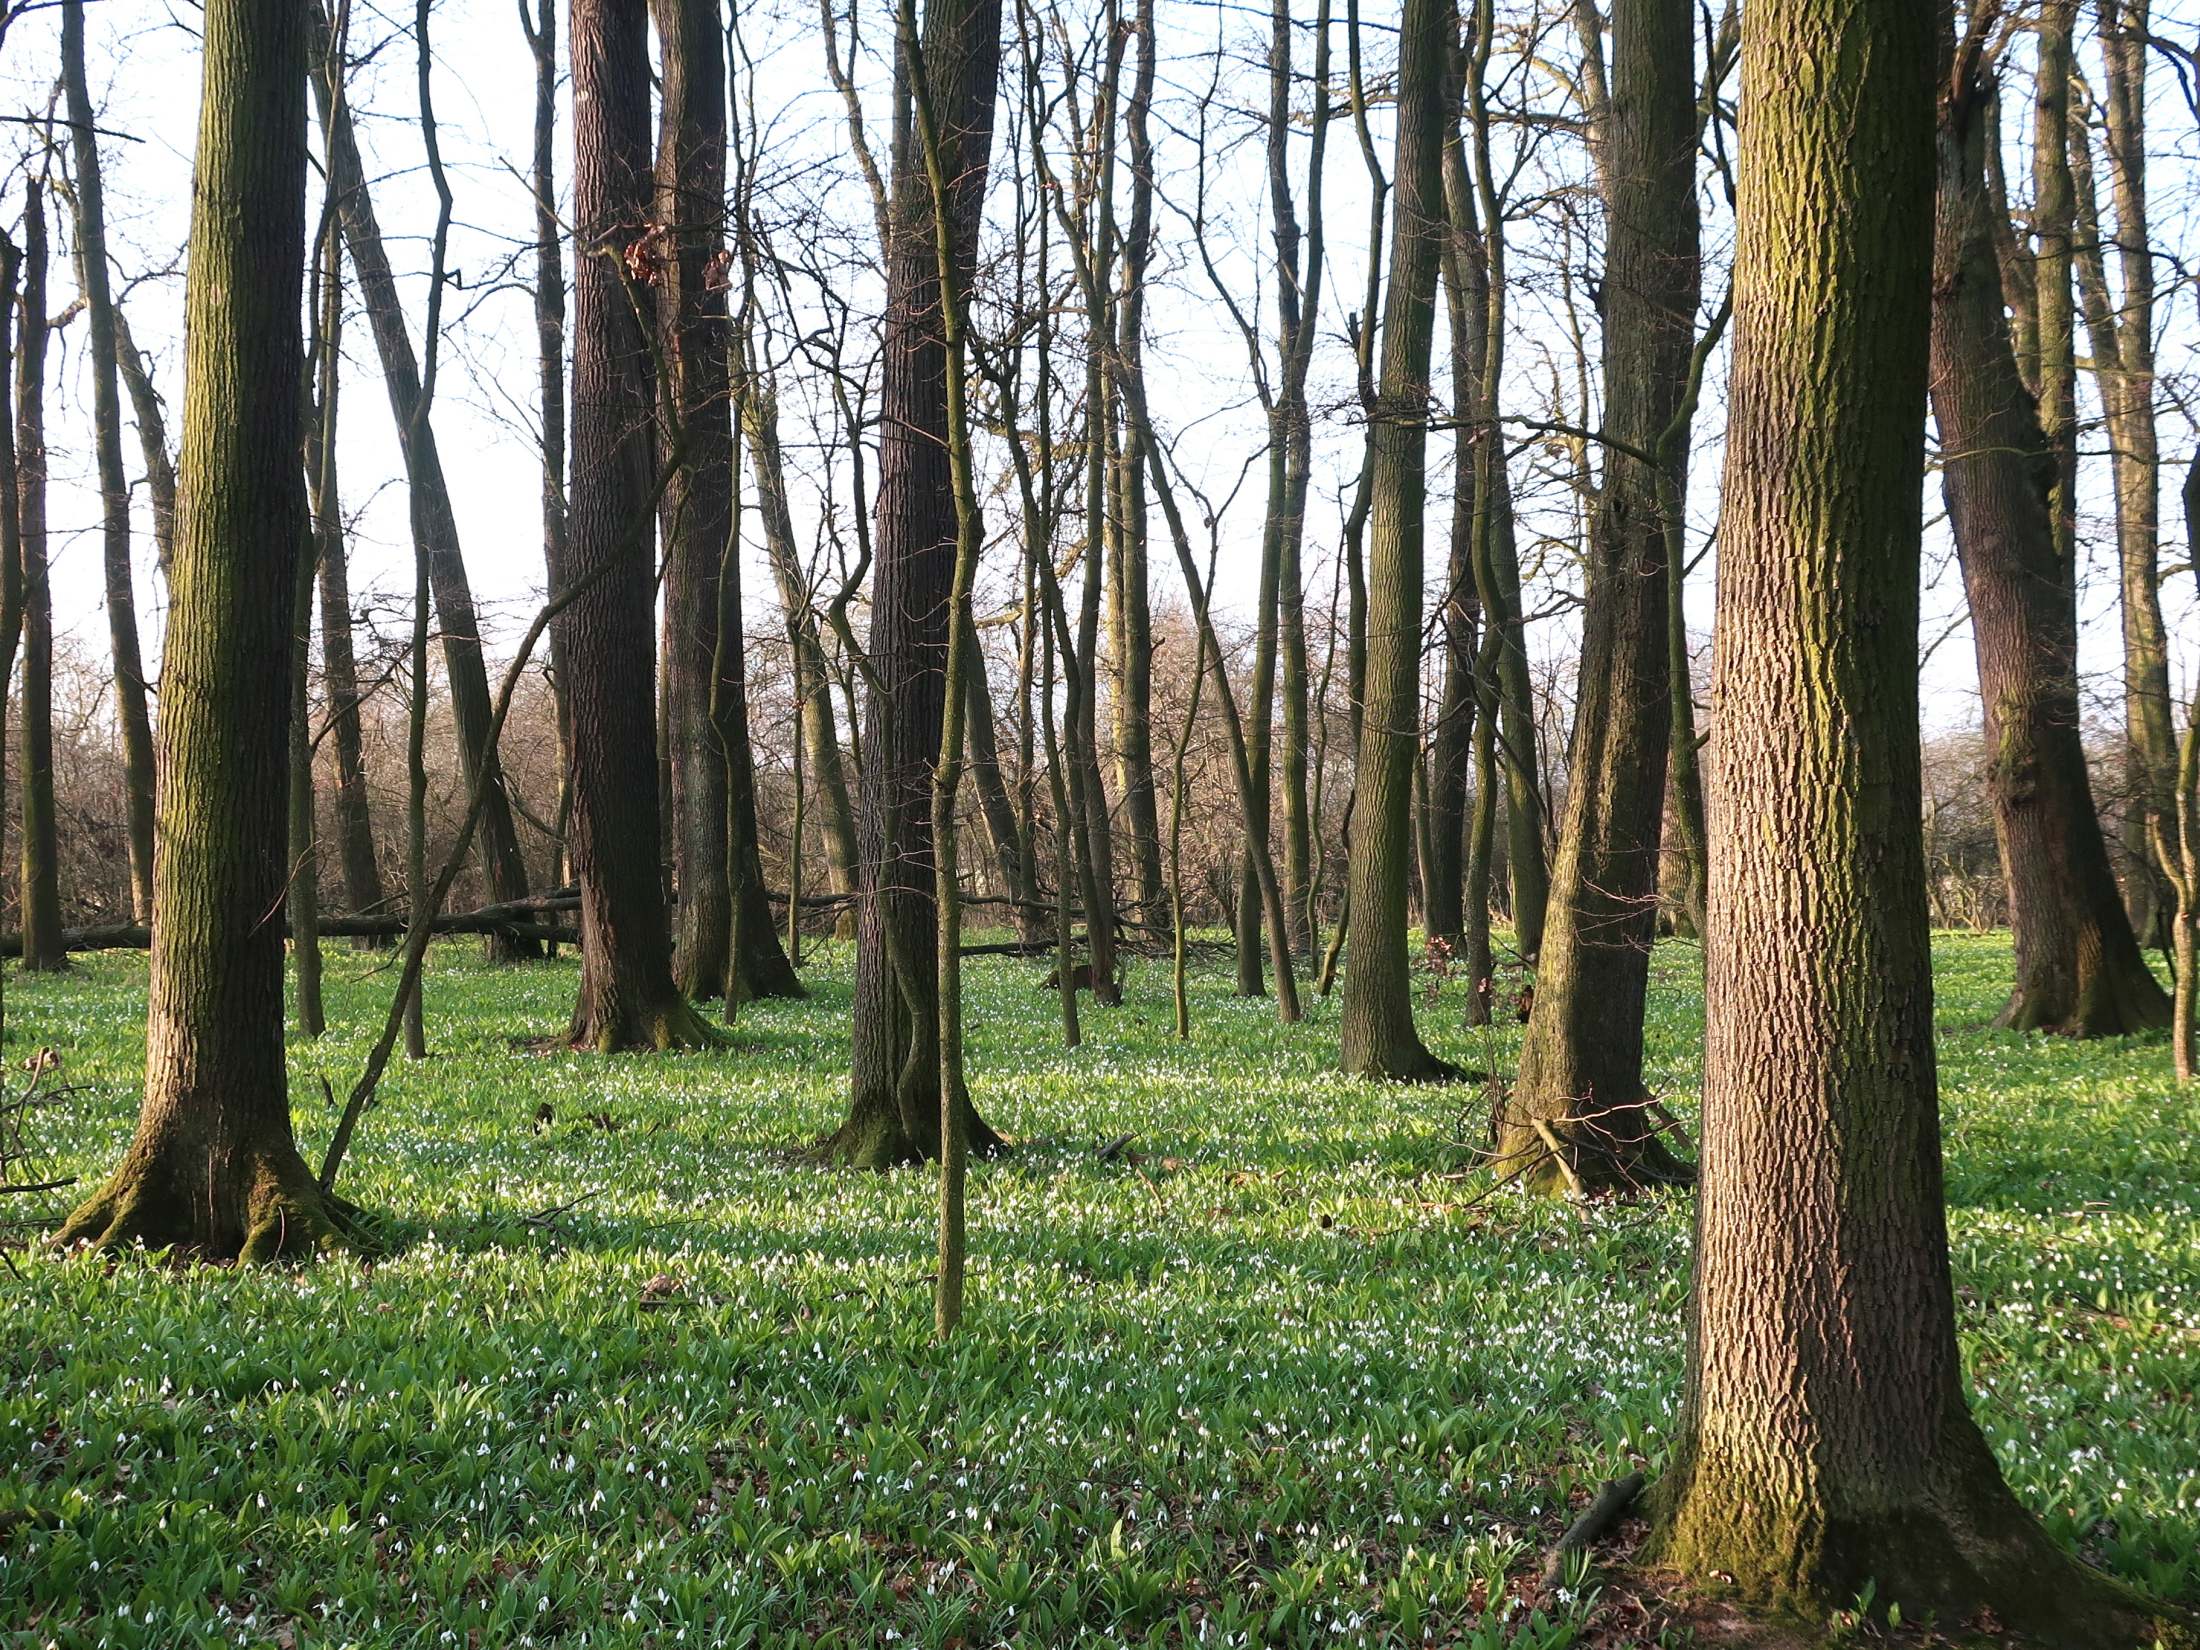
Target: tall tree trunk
[114,486]
[1825,1444]
[1132,631]
[41,862]
[627,998]
[2079,969]
[213,1167]
[11,526]
[983,761]
[1475,214]
[894,1111]
[1580,1083]
[2122,335]
[353,814]
[466,674]
[812,671]
[713,776]
[2054,209]
[1377,1030]
[541,30]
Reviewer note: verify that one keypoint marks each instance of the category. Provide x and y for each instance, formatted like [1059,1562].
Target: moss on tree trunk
[213,1168]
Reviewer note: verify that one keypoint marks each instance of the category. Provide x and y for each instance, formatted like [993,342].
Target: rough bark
[713,786]
[466,674]
[894,1110]
[605,637]
[1580,1080]
[114,486]
[2079,970]
[1825,1444]
[1378,1037]
[41,867]
[213,1167]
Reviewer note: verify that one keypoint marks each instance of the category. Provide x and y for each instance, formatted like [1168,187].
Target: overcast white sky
[145,72]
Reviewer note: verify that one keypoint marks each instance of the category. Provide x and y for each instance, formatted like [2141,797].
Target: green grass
[1301,1388]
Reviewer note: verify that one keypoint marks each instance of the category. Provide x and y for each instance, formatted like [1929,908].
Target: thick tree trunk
[605,638]
[1580,1082]
[1825,1445]
[114,487]
[466,673]
[41,858]
[894,1110]
[2079,969]
[213,1167]
[1378,1038]
[714,847]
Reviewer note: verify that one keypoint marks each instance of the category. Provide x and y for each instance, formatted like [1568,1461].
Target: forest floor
[633,1371]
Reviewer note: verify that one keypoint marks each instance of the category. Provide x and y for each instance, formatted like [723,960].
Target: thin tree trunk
[41,867]
[114,486]
[627,998]
[467,679]
[11,526]
[213,1167]
[1825,1446]
[1579,1113]
[541,31]
[152,429]
[1475,214]
[1132,630]
[1378,1037]
[2122,334]
[2079,969]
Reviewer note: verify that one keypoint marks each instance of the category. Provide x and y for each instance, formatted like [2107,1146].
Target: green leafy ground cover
[1290,1378]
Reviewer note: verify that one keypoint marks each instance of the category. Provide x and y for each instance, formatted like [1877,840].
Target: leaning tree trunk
[627,996]
[813,676]
[114,487]
[1580,1094]
[213,1167]
[1825,1447]
[1378,1034]
[706,662]
[41,861]
[2079,970]
[894,1111]
[465,671]
[354,816]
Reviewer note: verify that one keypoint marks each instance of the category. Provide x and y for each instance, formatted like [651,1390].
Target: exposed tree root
[2106,1003]
[1590,1151]
[1958,1551]
[875,1136]
[258,1206]
[671,1026]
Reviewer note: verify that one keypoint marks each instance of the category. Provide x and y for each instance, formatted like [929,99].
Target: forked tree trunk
[114,486]
[1825,1447]
[2079,970]
[41,858]
[465,671]
[894,1110]
[713,780]
[1378,1038]
[605,641]
[1580,1083]
[213,1168]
